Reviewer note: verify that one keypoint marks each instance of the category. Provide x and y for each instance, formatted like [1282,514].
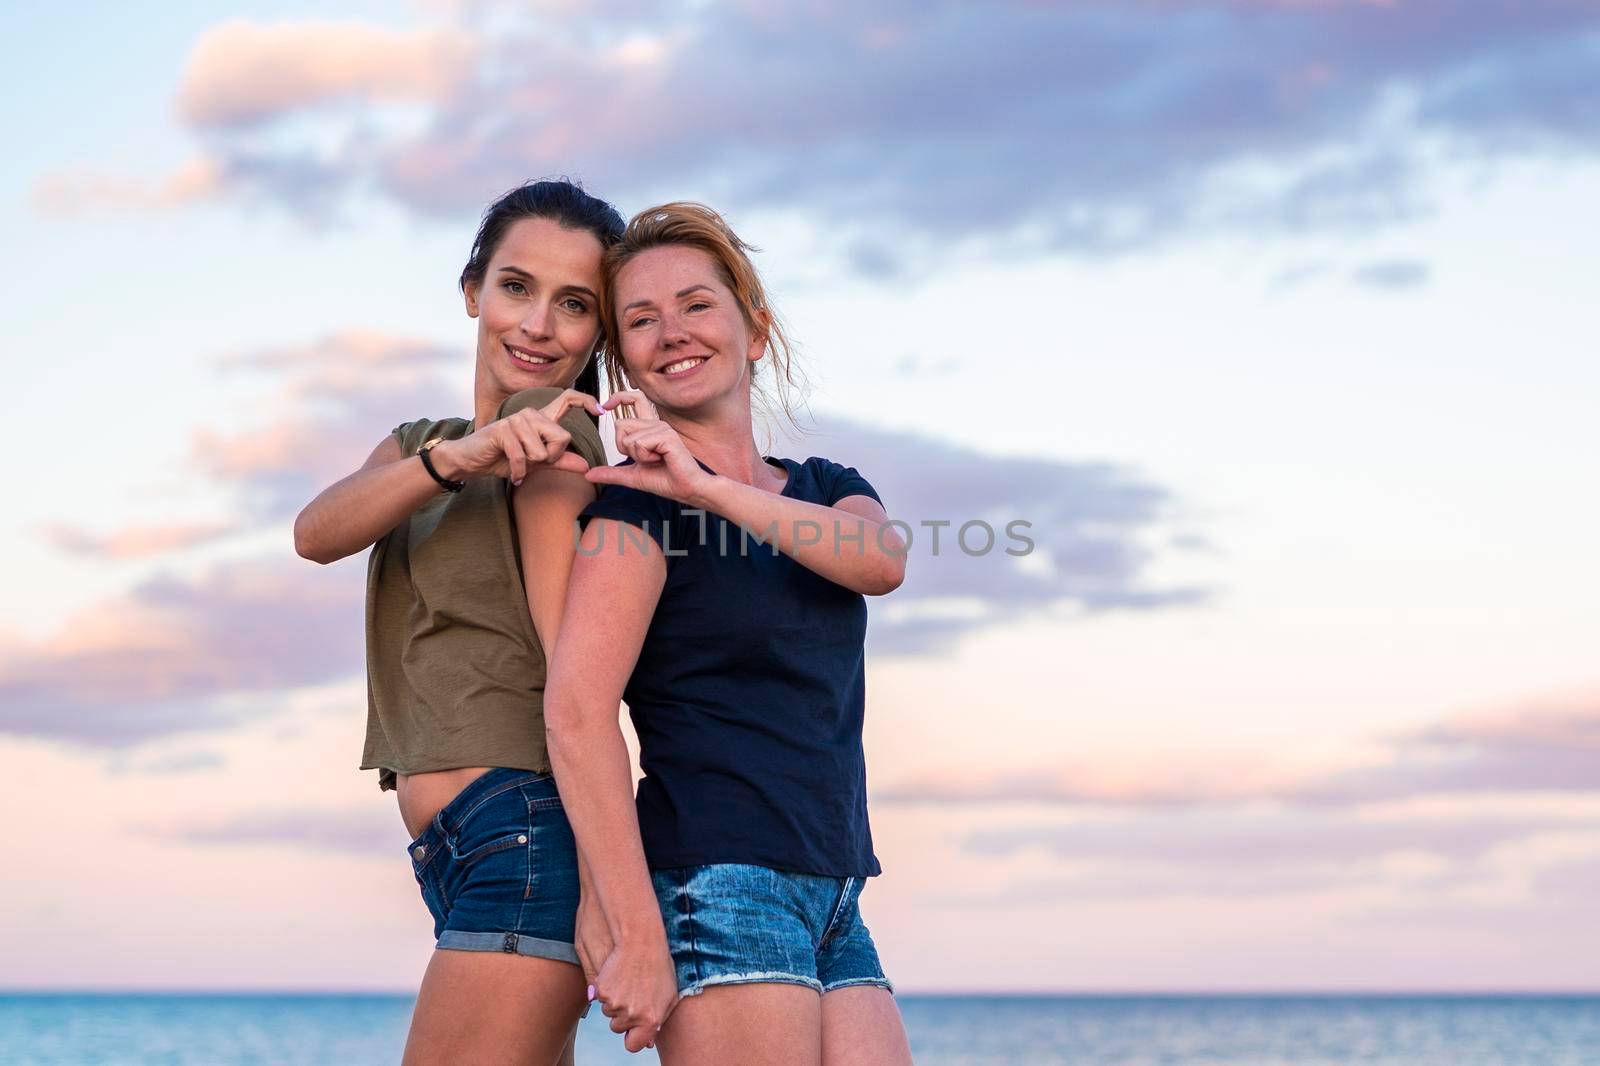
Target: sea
[54,1029]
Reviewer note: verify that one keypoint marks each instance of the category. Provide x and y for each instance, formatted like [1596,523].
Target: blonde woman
[734,880]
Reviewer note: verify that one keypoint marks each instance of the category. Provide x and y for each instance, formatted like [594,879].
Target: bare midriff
[424,795]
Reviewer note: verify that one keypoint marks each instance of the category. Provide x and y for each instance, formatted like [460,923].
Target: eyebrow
[570,288]
[680,294]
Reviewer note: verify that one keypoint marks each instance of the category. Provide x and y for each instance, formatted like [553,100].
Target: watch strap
[427,464]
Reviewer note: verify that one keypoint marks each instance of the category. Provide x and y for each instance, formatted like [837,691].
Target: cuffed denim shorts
[732,924]
[498,868]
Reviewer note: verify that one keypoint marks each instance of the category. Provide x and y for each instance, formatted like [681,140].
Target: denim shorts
[731,924]
[499,870]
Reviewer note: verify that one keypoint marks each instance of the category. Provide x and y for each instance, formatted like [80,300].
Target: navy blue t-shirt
[749,691]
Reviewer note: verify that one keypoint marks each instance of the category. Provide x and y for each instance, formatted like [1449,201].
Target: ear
[759,335]
[470,292]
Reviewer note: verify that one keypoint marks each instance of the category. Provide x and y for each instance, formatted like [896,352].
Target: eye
[642,320]
[699,305]
[515,288]
[575,305]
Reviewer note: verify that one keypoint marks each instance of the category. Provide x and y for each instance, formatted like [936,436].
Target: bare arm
[849,543]
[610,600]
[353,513]
[546,505]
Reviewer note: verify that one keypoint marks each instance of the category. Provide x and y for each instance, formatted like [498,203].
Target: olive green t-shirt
[455,673]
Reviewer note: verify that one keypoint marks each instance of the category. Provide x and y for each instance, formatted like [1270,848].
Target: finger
[619,1025]
[537,434]
[567,401]
[516,462]
[653,447]
[571,461]
[642,407]
[555,440]
[629,448]
[647,442]
[533,445]
[626,476]
[639,1038]
[628,434]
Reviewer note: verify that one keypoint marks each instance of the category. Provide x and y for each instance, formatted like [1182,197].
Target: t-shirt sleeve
[645,510]
[585,435]
[841,481]
[411,435]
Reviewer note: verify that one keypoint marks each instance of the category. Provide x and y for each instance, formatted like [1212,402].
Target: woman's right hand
[508,446]
[637,989]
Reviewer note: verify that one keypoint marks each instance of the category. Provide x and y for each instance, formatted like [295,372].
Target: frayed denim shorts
[732,924]
[498,868]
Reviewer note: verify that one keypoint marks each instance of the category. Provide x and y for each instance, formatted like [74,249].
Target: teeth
[535,360]
[683,364]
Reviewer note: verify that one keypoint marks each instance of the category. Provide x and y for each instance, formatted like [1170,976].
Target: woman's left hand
[661,461]
[592,938]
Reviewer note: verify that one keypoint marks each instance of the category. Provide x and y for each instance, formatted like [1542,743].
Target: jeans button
[522,838]
[419,852]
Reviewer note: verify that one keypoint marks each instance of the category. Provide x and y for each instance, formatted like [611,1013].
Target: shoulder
[835,481]
[651,513]
[628,504]
[412,435]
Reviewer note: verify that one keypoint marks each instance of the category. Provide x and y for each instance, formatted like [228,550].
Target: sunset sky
[1275,318]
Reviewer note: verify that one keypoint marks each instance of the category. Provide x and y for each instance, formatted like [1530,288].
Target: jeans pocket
[481,851]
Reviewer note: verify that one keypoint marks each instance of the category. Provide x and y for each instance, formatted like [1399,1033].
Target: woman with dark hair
[720,592]
[470,522]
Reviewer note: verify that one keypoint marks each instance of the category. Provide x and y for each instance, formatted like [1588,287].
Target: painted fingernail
[591,993]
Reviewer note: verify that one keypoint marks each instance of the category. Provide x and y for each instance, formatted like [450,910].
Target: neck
[724,440]
[486,400]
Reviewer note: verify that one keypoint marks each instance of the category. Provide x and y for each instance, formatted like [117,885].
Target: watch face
[430,442]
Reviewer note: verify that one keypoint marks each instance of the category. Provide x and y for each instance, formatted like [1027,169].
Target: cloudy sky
[1274,318]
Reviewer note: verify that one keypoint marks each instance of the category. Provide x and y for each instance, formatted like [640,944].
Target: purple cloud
[156,661]
[361,831]
[1391,274]
[1087,527]
[1253,854]
[1088,125]
[1548,747]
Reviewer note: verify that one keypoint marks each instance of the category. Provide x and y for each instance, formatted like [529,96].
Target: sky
[1273,318]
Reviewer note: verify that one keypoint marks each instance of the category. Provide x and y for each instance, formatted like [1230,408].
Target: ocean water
[340,1030]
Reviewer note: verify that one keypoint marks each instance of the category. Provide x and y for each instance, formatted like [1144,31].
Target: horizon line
[1218,993]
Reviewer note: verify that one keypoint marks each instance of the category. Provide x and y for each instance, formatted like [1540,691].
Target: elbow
[890,575]
[306,546]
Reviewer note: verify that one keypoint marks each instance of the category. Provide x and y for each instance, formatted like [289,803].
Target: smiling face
[537,307]
[684,337]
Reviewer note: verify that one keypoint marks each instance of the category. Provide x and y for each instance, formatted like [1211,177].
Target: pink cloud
[78,192]
[136,542]
[243,72]
[157,660]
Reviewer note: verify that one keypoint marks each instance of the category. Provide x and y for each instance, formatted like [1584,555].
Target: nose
[672,331]
[536,323]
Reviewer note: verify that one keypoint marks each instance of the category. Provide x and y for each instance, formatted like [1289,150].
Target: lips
[530,359]
[679,367]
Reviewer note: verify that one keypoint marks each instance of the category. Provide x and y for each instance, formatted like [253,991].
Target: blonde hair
[692,225]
